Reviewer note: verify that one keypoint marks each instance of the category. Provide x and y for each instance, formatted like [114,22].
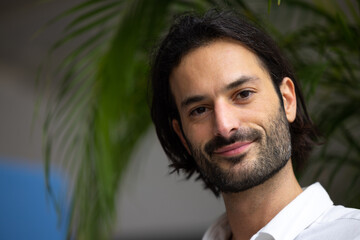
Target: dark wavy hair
[191,31]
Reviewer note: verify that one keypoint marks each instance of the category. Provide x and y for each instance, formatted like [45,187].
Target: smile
[233,149]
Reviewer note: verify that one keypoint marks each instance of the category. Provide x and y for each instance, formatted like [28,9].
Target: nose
[225,118]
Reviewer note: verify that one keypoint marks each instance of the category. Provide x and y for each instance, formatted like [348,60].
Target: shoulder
[337,223]
[337,213]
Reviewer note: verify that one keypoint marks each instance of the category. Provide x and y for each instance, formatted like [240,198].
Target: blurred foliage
[325,51]
[97,106]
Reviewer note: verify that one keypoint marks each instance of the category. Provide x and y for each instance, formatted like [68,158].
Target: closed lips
[233,149]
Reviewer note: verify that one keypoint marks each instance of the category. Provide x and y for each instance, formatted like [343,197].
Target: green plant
[324,49]
[98,109]
[338,105]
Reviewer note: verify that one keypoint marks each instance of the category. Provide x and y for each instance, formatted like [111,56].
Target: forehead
[211,67]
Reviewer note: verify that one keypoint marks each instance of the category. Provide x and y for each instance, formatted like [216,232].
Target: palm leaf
[97,109]
[333,41]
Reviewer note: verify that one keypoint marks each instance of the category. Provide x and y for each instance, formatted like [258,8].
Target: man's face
[232,121]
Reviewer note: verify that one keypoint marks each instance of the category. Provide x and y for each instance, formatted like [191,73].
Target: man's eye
[244,94]
[198,111]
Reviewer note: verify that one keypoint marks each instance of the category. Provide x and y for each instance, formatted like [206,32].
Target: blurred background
[152,203]
[43,179]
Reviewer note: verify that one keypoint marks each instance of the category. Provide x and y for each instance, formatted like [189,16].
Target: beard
[272,150]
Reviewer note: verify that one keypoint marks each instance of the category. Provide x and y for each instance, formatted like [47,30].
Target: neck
[249,211]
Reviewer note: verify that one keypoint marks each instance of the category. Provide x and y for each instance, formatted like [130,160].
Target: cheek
[259,114]
[198,134]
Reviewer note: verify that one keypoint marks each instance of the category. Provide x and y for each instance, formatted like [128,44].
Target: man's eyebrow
[239,82]
[192,99]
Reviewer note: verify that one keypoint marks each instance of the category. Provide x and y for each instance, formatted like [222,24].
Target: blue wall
[26,209]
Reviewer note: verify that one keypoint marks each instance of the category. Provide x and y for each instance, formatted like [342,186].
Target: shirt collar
[289,222]
[297,215]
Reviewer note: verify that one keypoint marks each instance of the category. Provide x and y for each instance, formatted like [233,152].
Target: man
[227,107]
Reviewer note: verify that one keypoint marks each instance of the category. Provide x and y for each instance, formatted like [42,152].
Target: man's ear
[177,129]
[288,94]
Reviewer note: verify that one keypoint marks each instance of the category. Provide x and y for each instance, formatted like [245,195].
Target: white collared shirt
[311,216]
